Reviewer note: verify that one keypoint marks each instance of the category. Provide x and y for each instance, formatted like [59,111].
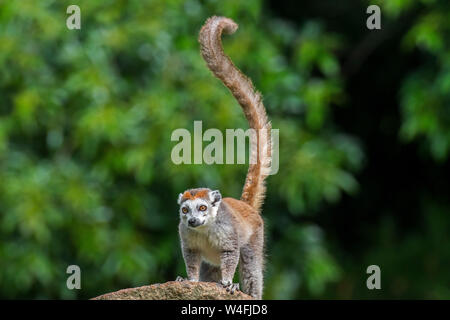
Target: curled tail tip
[226,25]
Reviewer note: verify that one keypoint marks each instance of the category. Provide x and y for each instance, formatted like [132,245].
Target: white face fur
[199,213]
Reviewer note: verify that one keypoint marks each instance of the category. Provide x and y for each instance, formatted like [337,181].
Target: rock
[174,290]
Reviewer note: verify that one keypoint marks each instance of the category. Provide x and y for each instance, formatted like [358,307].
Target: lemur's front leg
[228,262]
[192,259]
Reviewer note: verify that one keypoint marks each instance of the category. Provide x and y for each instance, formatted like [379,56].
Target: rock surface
[174,290]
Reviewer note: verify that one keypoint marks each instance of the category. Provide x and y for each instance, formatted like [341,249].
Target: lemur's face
[198,207]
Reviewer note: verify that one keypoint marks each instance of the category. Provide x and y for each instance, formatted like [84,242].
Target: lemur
[216,233]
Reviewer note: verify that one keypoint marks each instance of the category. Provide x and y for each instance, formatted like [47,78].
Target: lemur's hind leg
[251,265]
[209,273]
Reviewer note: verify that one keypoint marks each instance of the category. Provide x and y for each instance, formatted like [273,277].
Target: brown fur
[244,212]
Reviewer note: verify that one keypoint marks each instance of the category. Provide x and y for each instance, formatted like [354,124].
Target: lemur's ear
[215,197]
[180,196]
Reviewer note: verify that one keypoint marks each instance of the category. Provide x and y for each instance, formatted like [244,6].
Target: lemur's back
[244,212]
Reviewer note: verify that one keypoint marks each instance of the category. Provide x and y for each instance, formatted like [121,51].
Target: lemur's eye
[184,210]
[202,208]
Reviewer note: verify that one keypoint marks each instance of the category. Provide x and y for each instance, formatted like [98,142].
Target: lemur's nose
[191,221]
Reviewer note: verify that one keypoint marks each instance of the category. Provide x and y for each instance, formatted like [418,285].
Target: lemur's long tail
[250,100]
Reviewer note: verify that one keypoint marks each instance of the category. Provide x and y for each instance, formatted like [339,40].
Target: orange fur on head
[188,195]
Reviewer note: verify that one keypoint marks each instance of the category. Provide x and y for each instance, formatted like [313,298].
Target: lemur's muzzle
[194,222]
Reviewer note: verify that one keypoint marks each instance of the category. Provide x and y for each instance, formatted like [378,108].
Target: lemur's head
[198,207]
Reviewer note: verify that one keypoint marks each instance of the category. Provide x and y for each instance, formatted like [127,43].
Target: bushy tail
[250,100]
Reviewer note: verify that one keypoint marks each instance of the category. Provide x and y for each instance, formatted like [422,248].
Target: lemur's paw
[230,286]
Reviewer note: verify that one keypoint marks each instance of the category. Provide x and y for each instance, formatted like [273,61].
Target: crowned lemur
[218,233]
